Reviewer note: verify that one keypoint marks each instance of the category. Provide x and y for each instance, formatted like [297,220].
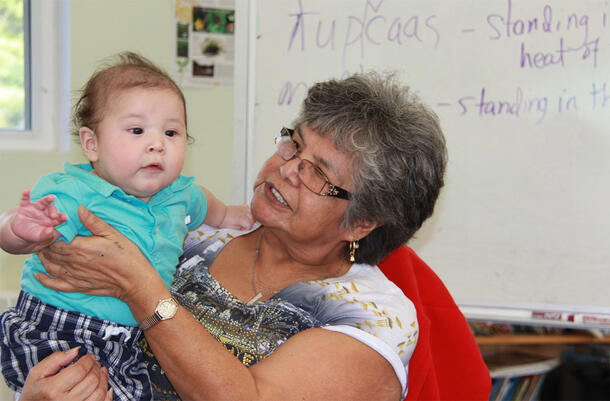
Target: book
[521,388]
[496,384]
[512,387]
[505,389]
[537,387]
[532,386]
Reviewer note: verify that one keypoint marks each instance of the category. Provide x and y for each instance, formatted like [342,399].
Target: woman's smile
[275,195]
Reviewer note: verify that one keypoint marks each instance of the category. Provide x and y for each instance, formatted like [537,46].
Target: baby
[132,119]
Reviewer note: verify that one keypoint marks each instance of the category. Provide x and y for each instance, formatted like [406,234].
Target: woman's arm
[315,364]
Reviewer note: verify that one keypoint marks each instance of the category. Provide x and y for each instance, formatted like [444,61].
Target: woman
[354,180]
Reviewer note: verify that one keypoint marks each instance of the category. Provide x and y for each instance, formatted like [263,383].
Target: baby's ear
[88,142]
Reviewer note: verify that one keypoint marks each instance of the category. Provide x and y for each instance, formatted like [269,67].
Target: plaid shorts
[33,330]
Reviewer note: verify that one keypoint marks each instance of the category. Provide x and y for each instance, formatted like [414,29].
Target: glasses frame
[334,191]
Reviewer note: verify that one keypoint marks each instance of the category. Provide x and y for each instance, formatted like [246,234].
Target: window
[14,107]
[34,74]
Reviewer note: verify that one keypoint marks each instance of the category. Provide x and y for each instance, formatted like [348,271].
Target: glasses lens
[313,178]
[286,147]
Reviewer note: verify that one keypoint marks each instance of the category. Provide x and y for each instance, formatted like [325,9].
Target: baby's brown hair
[130,70]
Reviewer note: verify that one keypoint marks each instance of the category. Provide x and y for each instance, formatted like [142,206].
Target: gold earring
[353,245]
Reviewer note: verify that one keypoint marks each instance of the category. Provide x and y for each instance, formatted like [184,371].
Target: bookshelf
[521,339]
[520,357]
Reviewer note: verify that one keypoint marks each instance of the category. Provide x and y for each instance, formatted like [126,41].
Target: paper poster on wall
[205,42]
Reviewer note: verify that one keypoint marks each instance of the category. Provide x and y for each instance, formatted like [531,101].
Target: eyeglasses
[311,175]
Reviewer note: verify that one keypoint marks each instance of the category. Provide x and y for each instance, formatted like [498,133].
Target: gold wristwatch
[166,309]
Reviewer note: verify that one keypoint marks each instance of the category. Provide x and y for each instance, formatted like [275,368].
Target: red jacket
[446,363]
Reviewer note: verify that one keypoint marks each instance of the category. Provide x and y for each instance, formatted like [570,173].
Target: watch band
[149,321]
[166,309]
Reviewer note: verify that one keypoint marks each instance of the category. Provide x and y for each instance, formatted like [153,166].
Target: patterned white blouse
[362,304]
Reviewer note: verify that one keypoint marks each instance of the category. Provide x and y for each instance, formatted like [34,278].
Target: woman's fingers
[72,276]
[44,383]
[92,386]
[61,248]
[71,284]
[51,260]
[54,362]
[55,283]
[84,380]
[59,254]
[105,392]
[59,277]
[78,371]
[101,392]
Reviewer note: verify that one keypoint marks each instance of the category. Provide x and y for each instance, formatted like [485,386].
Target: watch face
[166,309]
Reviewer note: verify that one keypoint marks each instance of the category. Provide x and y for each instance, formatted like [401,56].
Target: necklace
[260,294]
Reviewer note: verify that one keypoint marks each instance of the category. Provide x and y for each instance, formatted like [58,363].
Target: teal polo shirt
[158,227]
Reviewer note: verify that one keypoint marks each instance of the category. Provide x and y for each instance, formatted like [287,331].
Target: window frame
[49,90]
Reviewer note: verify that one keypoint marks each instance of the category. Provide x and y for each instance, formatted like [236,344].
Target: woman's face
[282,201]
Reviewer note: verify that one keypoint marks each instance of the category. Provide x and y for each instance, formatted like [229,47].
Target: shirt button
[157,229]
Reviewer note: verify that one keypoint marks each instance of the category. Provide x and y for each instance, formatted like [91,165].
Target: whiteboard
[522,89]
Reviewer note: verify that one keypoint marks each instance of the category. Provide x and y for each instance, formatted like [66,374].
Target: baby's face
[141,141]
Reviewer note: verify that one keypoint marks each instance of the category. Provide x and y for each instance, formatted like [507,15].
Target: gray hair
[397,150]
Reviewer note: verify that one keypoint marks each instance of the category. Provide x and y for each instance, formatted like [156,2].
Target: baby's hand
[238,217]
[34,223]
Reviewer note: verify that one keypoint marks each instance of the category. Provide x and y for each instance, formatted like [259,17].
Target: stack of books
[517,375]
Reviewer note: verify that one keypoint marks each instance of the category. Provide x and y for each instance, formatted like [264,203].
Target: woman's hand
[105,263]
[83,380]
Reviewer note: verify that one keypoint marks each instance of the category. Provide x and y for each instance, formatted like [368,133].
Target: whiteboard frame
[244,100]
[538,314]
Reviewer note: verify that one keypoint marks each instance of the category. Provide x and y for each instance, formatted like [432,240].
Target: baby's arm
[221,215]
[32,226]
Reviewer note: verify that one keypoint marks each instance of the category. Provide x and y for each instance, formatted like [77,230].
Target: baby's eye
[171,133]
[136,131]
